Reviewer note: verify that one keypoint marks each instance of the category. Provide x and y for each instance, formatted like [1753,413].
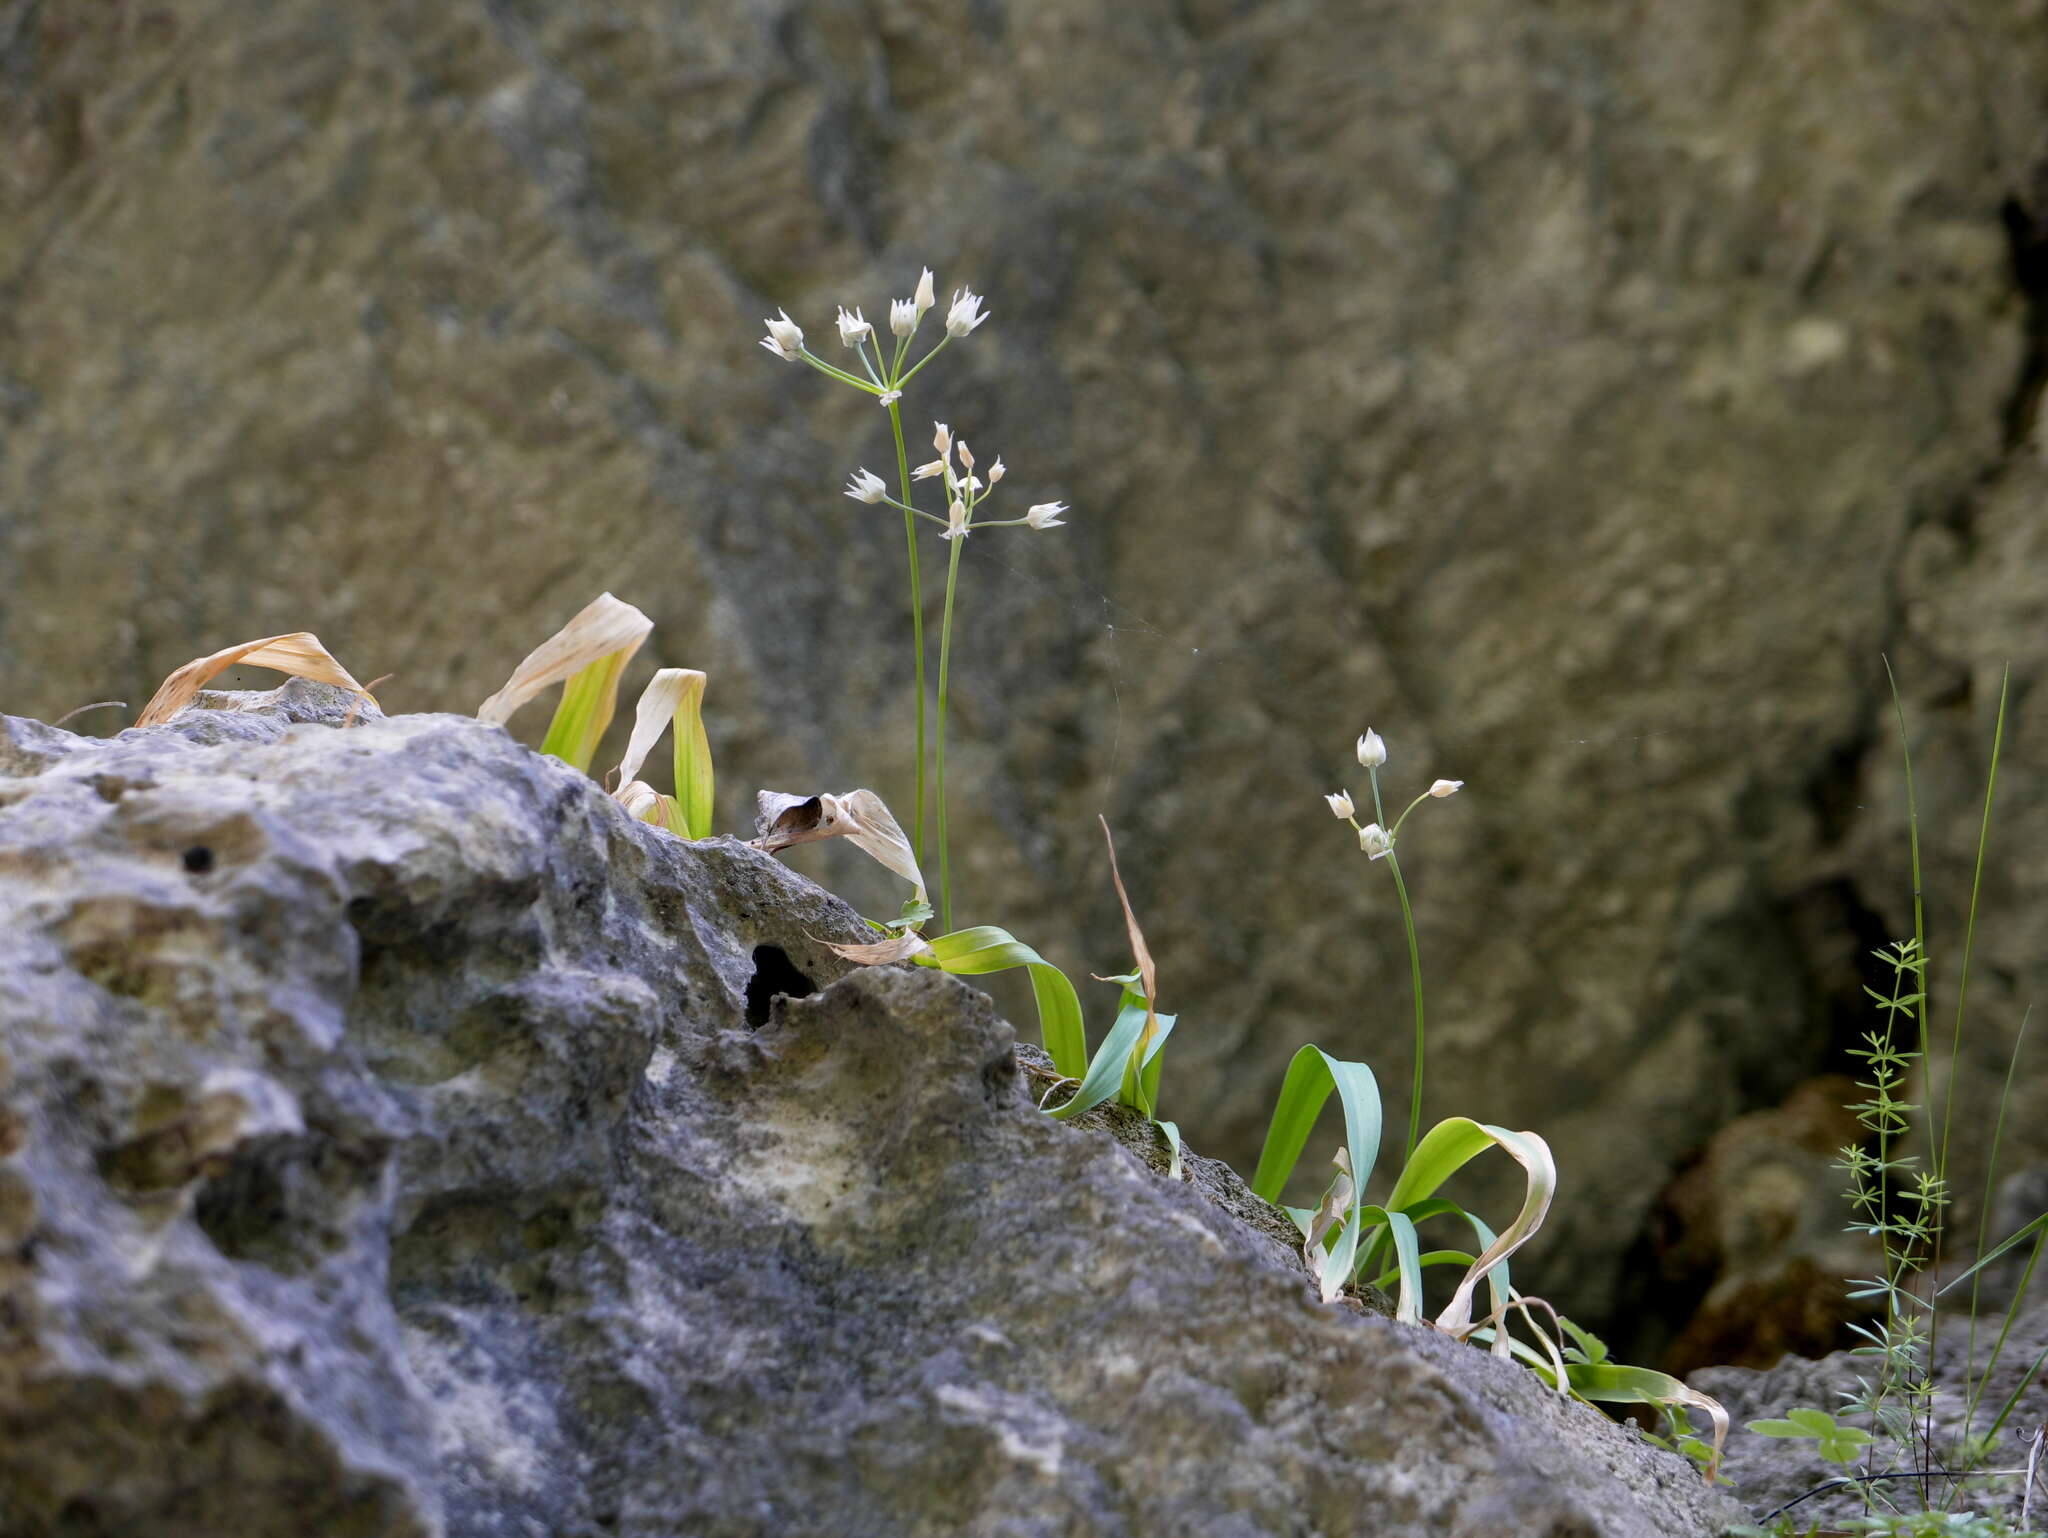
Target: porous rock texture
[1582,394]
[396,1140]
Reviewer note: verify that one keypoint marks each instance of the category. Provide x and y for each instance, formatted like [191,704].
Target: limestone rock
[1568,391]
[396,1139]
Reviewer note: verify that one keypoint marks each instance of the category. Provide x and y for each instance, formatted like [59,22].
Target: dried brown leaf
[299,653]
[882,952]
[859,816]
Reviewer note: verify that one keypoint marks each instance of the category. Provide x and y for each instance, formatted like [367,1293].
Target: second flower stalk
[1377,841]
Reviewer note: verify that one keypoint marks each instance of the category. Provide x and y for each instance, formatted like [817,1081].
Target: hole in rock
[774,973]
[199,859]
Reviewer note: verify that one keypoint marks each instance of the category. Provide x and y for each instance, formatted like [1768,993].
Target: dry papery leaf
[858,816]
[1335,1203]
[901,948]
[299,654]
[603,626]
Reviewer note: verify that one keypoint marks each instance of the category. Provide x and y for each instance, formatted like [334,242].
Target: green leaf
[1105,1074]
[2038,1225]
[589,700]
[1310,1078]
[1780,1428]
[985,948]
[1171,1133]
[693,760]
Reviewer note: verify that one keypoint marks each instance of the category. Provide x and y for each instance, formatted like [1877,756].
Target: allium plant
[1377,840]
[885,378]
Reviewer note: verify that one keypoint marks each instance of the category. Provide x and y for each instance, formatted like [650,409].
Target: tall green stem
[1415,983]
[916,620]
[945,658]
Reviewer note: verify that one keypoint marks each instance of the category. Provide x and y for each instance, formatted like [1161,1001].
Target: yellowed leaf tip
[601,628]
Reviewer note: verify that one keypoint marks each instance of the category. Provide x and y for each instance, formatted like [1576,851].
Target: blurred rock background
[1585,396]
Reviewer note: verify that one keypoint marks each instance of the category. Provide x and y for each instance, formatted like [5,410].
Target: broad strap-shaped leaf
[984,949]
[1612,1383]
[1539,1169]
[1310,1078]
[1106,1070]
[587,656]
[673,697]
[694,780]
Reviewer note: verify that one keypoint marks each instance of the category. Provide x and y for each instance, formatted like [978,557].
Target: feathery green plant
[1900,1203]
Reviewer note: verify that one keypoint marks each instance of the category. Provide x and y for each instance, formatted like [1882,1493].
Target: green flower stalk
[885,379]
[1377,841]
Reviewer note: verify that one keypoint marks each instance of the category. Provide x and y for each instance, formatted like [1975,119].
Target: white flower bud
[1372,751]
[1444,788]
[956,521]
[965,314]
[995,471]
[1373,839]
[902,316]
[785,338]
[853,329]
[866,486]
[1045,515]
[925,297]
[966,456]
[927,471]
[942,438]
[1340,804]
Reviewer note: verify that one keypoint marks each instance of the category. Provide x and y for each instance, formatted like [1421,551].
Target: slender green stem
[1913,847]
[918,366]
[945,659]
[1415,983]
[1970,925]
[916,616]
[836,372]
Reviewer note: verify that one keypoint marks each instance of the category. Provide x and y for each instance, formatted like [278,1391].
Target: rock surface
[1582,395]
[1773,1472]
[397,1140]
